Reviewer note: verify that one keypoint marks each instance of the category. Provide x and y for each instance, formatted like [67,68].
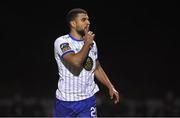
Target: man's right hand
[89,36]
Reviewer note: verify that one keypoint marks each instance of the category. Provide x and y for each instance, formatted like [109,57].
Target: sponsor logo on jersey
[88,64]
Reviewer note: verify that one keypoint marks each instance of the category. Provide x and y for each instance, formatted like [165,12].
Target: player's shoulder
[61,39]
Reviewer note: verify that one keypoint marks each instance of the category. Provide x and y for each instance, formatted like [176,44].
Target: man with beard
[77,59]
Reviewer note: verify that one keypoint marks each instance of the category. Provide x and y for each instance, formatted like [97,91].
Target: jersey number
[93,111]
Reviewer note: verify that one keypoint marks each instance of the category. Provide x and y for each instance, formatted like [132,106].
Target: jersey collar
[75,38]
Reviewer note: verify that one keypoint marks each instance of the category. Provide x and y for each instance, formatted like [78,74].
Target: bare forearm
[79,57]
[102,77]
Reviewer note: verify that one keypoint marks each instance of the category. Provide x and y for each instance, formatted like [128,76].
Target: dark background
[137,43]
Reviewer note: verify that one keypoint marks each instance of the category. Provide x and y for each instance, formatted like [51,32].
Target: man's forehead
[82,15]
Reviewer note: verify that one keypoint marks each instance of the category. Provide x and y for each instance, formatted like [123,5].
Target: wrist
[111,87]
[87,43]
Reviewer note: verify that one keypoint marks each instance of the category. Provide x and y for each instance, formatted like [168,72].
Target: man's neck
[76,35]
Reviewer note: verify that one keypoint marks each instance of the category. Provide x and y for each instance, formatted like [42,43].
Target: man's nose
[88,22]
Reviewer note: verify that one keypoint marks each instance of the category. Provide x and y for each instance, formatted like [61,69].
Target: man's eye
[83,19]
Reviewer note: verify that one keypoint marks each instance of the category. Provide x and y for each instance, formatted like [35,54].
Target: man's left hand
[114,94]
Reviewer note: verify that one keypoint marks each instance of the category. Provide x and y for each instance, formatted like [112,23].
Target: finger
[87,29]
[90,32]
[111,96]
[93,35]
[117,98]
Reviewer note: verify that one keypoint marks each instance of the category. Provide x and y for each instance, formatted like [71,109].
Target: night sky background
[137,43]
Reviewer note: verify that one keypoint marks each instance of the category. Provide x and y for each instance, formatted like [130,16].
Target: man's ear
[73,23]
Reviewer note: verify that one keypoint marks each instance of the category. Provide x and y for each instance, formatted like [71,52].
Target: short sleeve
[62,47]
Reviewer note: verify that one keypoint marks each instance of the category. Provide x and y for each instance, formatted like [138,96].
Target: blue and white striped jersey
[74,84]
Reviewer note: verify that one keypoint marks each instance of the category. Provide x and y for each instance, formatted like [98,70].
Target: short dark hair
[73,13]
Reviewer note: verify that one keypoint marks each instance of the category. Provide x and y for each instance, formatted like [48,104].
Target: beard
[80,32]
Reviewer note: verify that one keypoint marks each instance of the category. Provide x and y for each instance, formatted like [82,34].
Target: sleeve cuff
[66,53]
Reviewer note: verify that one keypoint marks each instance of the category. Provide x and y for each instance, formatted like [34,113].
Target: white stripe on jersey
[74,85]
